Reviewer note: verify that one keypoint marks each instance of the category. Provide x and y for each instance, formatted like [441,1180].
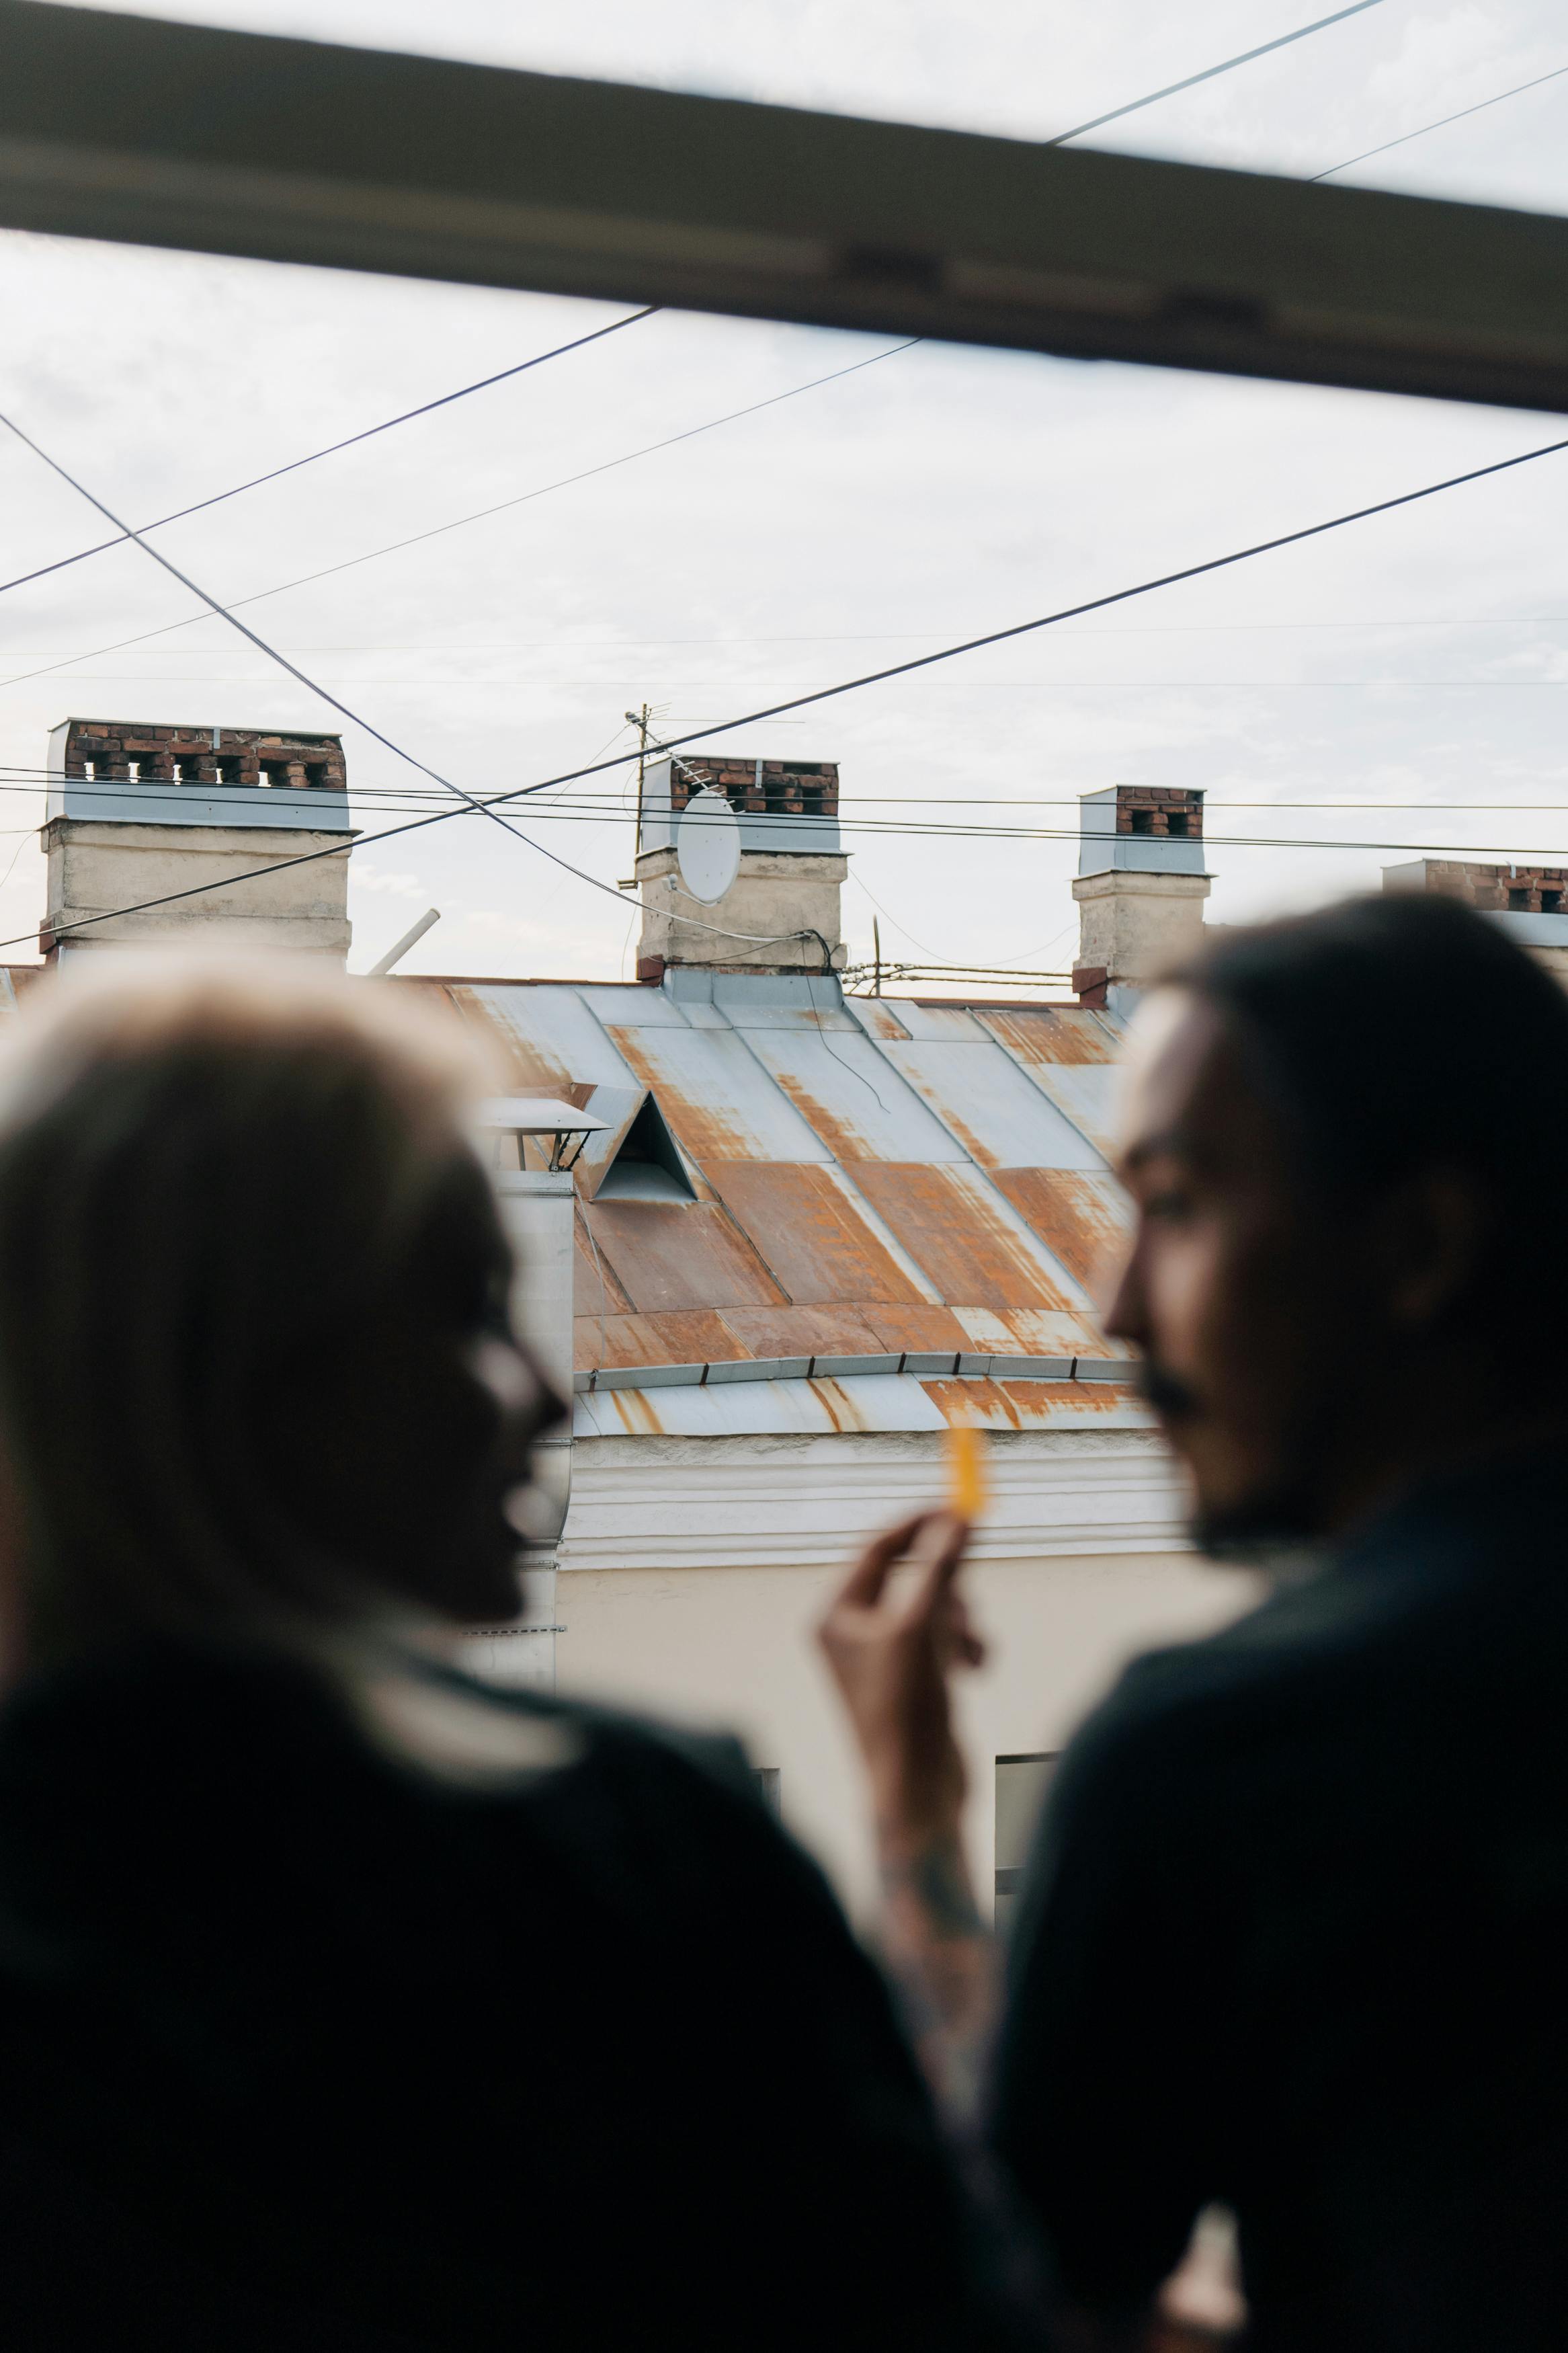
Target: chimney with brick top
[781,914]
[153,830]
[1530,902]
[1140,886]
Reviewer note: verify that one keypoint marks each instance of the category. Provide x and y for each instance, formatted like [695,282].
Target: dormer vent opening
[647,1165]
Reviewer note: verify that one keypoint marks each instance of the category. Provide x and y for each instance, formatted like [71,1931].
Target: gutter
[925,1364]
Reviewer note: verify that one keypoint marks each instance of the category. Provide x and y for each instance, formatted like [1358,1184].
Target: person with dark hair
[344,2004]
[1294,1939]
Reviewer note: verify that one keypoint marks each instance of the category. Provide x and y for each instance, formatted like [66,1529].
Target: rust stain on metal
[695,1336]
[1082,1216]
[637,1412]
[840,1409]
[842,1137]
[937,1328]
[1051,1034]
[971,1254]
[594,1290]
[802,1221]
[1030,1332]
[528,1066]
[879,1018]
[699,1337]
[689,1254]
[1027,1405]
[700,1128]
[820,1331]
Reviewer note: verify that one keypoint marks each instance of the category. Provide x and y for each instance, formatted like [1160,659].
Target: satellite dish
[708,845]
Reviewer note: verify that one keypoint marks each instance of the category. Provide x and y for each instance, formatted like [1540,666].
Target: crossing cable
[913,829]
[591,811]
[479,808]
[63,562]
[1441,124]
[1060,139]
[1209,72]
[796,703]
[459,522]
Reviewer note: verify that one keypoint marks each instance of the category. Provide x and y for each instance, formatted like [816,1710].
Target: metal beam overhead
[153,133]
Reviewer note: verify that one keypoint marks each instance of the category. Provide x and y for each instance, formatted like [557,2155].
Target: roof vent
[647,1166]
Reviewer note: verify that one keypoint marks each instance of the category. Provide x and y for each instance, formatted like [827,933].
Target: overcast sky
[1416,661]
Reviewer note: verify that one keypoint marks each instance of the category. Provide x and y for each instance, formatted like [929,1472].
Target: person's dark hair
[1407,1032]
[246,1251]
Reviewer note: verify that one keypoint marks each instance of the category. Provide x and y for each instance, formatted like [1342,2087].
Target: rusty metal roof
[869,1178]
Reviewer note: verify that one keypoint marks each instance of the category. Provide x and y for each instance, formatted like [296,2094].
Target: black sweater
[304,2047]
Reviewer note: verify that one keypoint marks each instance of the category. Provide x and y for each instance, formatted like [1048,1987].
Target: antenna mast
[639,720]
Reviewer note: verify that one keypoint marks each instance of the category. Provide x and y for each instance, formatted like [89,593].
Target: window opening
[1142,820]
[647,1166]
[1176,825]
[274,772]
[228,771]
[1021,1784]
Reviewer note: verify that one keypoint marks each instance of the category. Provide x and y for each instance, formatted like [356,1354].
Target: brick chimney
[1140,886]
[1530,902]
[138,812]
[792,868]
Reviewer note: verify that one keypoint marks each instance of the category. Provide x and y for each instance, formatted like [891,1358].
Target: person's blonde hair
[230,1190]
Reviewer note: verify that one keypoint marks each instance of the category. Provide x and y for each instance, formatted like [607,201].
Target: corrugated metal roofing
[868,1175]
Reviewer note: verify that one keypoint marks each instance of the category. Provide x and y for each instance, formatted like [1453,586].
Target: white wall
[733,1646]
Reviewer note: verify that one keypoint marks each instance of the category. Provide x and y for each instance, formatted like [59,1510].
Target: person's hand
[891,1662]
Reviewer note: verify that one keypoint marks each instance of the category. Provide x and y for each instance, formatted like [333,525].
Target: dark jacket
[1296,1940]
[302,2046]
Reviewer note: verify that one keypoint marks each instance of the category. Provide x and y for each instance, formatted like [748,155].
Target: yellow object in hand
[965,1470]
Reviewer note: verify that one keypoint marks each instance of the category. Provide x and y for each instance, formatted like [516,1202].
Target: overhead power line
[570,813]
[459,522]
[1441,124]
[844,686]
[587,811]
[1123,685]
[406,416]
[479,808]
[1210,73]
[126,535]
[861,636]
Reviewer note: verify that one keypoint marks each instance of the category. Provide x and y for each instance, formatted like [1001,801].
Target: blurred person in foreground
[1294,1937]
[344,2004]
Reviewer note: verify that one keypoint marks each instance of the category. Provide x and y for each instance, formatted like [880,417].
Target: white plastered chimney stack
[1140,886]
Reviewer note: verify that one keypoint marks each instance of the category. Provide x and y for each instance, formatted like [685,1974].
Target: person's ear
[1429,1239]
